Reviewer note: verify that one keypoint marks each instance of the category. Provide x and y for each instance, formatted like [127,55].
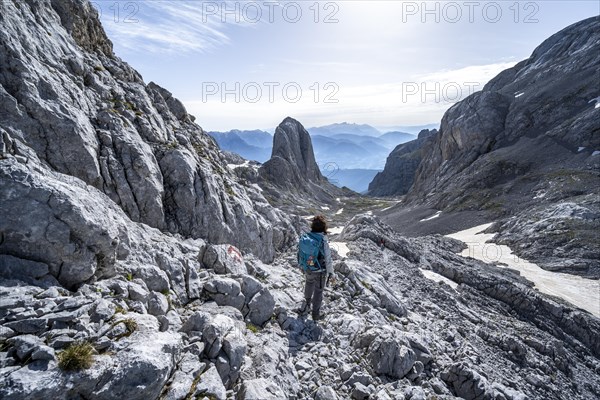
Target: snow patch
[338,212]
[517,95]
[437,214]
[597,101]
[255,186]
[234,166]
[579,149]
[336,230]
[393,205]
[438,278]
[595,153]
[582,292]
[325,208]
[340,247]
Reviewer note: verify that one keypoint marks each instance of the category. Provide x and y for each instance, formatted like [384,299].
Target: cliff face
[400,167]
[70,107]
[527,144]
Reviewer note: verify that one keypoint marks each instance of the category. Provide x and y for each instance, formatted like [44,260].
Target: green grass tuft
[130,324]
[252,328]
[76,357]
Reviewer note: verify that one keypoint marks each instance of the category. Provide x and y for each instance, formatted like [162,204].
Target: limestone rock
[292,143]
[225,292]
[326,393]
[292,169]
[224,259]
[260,389]
[261,307]
[158,304]
[210,385]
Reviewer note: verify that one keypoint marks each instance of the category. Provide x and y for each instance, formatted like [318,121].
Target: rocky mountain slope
[136,262]
[526,150]
[389,332]
[70,107]
[398,175]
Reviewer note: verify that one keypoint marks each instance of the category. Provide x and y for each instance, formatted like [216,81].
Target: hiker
[314,256]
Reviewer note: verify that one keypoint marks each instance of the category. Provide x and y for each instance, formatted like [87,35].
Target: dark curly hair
[319,224]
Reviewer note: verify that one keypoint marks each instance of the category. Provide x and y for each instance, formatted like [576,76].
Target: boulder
[210,385]
[224,259]
[225,292]
[158,304]
[261,389]
[326,393]
[261,307]
[467,383]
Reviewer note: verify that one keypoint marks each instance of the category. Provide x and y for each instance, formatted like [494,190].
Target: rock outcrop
[292,171]
[529,140]
[400,167]
[292,160]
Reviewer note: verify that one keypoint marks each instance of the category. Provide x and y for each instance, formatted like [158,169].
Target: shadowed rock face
[70,106]
[398,175]
[292,143]
[527,142]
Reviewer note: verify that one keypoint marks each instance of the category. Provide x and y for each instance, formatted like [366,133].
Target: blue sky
[249,64]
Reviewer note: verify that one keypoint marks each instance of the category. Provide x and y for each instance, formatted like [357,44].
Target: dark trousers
[313,291]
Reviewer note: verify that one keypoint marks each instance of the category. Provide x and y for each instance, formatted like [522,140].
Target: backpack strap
[321,253]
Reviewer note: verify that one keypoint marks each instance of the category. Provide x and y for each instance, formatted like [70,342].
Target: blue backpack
[309,248]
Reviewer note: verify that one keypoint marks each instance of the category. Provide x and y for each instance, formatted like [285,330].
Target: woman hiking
[314,256]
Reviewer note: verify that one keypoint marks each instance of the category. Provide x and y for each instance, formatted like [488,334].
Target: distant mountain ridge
[252,145]
[353,159]
[348,146]
[344,127]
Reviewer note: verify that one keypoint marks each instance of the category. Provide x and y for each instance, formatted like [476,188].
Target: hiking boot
[304,309]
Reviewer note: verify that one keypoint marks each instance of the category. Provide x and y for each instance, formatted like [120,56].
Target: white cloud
[168,26]
[421,99]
